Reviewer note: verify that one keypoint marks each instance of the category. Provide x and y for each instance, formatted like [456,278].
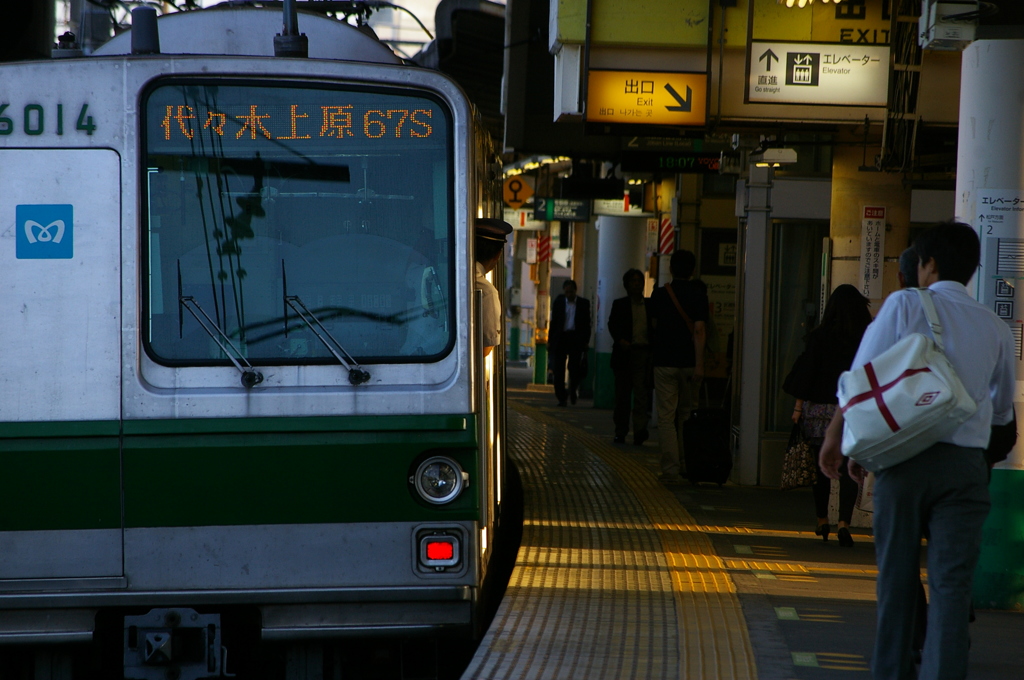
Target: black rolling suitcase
[706,449]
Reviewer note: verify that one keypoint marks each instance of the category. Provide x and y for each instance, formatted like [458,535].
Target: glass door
[795,280]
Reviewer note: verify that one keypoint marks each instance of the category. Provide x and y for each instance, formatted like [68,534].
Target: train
[244,399]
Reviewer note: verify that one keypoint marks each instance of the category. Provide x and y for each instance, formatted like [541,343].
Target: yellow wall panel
[637,23]
[866,23]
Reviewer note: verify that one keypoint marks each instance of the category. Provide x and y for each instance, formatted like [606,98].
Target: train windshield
[266,199]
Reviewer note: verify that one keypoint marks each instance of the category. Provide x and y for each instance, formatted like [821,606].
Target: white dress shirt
[491,308]
[570,315]
[977,342]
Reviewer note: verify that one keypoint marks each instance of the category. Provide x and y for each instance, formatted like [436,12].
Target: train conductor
[490,246]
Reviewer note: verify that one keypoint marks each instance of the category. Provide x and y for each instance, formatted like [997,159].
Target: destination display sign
[811,73]
[646,97]
[295,122]
[567,209]
[247,118]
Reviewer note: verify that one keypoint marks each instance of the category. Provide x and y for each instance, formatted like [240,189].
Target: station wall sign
[647,97]
[818,73]
[619,207]
[521,219]
[567,209]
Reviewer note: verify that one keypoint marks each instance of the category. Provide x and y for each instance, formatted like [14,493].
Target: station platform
[619,576]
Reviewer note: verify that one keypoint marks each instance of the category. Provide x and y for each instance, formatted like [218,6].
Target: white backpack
[906,399]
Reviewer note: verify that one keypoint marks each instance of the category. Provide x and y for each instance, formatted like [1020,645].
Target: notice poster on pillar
[872,251]
[651,247]
[1000,224]
[722,298]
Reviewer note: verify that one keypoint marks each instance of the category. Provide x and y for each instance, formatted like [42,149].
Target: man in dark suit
[630,327]
[568,337]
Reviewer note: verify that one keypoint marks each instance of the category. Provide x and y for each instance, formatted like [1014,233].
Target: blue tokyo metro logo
[45,232]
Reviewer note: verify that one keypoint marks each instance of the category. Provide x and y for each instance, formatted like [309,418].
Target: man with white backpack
[944,488]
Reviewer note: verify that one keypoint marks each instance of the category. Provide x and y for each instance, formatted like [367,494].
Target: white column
[990,179]
[621,245]
[990,197]
[751,355]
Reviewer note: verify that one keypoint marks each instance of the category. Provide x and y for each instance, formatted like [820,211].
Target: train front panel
[239,370]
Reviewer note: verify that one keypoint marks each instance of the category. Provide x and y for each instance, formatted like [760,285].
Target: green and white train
[242,392]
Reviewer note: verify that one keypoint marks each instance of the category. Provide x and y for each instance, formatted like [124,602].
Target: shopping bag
[902,401]
[799,467]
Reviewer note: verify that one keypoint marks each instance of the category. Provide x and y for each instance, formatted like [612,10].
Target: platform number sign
[44,232]
[35,120]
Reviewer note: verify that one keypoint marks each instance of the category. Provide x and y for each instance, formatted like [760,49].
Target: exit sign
[647,97]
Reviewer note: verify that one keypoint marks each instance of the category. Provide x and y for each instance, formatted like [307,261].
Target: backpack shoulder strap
[933,317]
[679,307]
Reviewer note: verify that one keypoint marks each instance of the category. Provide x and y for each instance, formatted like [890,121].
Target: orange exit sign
[647,97]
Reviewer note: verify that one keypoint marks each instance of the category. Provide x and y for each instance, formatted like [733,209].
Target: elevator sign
[814,73]
[646,97]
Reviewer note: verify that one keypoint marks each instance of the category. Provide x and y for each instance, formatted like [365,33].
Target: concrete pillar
[750,332]
[855,186]
[514,300]
[586,282]
[542,315]
[621,245]
[990,191]
[588,288]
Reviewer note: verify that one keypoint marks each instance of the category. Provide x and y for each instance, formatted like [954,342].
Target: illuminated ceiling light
[803,3]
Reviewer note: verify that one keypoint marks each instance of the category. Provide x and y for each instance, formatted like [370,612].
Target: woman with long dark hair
[829,350]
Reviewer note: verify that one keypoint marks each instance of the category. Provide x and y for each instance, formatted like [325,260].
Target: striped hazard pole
[666,237]
[544,248]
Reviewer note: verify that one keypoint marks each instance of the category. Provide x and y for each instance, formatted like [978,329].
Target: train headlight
[440,480]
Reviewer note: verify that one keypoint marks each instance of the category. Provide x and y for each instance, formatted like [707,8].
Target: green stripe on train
[417,423]
[60,483]
[231,472]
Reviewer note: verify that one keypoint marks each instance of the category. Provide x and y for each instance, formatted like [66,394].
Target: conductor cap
[492,228]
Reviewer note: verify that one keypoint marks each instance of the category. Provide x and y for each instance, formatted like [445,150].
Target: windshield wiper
[250,376]
[356,374]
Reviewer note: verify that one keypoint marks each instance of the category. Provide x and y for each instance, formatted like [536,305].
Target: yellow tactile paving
[614,578]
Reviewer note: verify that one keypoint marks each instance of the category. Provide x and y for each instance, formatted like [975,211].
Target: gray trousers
[675,391]
[943,490]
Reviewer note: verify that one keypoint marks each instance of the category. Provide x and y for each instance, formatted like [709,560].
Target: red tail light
[439,551]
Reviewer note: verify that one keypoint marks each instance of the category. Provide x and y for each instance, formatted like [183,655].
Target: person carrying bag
[678,356]
[937,478]
[829,350]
